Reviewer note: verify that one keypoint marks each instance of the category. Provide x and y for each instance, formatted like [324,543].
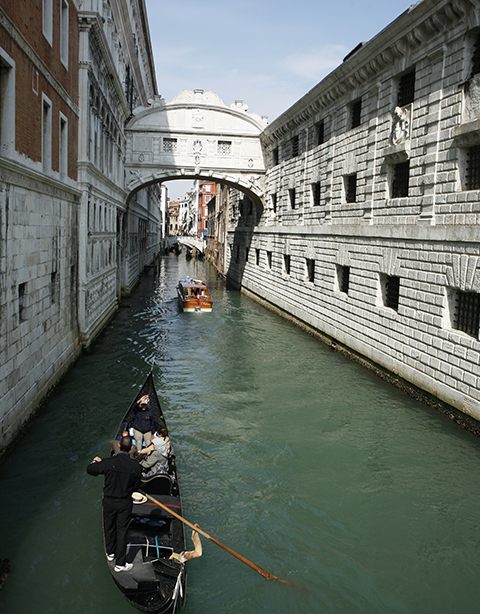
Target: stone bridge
[196,136]
[192,242]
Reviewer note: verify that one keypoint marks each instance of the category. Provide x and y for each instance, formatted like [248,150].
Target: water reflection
[290,454]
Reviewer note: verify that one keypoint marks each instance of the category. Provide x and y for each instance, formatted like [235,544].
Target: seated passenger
[156,457]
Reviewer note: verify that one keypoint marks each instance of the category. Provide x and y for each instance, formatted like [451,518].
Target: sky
[268,53]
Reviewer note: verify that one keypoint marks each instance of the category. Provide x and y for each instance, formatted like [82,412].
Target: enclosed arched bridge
[196,136]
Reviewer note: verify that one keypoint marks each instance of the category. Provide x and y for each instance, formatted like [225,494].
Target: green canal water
[290,454]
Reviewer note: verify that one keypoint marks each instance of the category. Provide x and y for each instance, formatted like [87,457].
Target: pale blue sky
[264,52]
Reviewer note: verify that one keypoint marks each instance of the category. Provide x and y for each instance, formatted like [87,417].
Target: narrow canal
[292,455]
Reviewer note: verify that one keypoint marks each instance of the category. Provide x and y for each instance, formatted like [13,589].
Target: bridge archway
[195,136]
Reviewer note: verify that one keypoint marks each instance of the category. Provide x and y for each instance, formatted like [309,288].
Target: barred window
[400,180]
[310,263]
[295,146]
[391,291]
[476,57]
[406,89]
[351,188]
[274,202]
[472,174]
[320,133]
[224,148]
[316,192]
[22,312]
[169,145]
[275,156]
[467,313]
[246,254]
[286,263]
[291,196]
[257,256]
[343,278]
[356,113]
[269,260]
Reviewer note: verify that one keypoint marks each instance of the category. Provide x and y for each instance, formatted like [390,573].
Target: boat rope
[178,587]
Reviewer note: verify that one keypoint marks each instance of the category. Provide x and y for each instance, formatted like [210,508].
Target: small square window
[310,263]
[286,263]
[291,196]
[351,188]
[316,193]
[356,113]
[400,180]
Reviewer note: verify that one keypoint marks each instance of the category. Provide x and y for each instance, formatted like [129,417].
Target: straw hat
[138,497]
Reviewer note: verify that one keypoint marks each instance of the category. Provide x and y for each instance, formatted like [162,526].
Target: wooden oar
[256,568]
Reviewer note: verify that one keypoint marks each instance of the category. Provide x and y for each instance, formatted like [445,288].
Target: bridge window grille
[344,278]
[391,291]
[286,263]
[224,148]
[292,196]
[295,146]
[320,133]
[472,175]
[169,145]
[351,188]
[310,263]
[467,313]
[257,256]
[400,181]
[406,89]
[269,260]
[316,192]
[356,113]
[274,202]
[476,57]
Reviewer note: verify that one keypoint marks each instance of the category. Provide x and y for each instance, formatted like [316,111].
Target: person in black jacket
[143,423]
[122,477]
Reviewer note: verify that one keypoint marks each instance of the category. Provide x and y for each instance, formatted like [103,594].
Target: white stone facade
[118,236]
[370,228]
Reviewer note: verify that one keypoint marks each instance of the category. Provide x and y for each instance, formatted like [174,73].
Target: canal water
[293,456]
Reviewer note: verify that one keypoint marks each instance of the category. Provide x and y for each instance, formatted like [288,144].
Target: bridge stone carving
[195,136]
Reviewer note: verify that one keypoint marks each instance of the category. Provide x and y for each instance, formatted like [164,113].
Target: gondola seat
[157,485]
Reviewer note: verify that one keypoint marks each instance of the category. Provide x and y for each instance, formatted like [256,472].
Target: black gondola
[156,583]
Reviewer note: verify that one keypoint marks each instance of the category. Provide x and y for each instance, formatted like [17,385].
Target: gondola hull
[155,583]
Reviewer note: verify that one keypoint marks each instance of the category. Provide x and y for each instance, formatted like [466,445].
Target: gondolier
[122,476]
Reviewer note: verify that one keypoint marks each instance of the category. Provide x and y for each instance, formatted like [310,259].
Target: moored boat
[156,583]
[193,295]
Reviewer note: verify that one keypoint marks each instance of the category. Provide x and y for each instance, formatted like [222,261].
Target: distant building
[173,217]
[206,191]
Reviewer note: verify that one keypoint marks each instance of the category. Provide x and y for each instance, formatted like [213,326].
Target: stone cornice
[411,30]
[91,23]
[24,45]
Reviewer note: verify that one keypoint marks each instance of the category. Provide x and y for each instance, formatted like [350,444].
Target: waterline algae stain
[294,456]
